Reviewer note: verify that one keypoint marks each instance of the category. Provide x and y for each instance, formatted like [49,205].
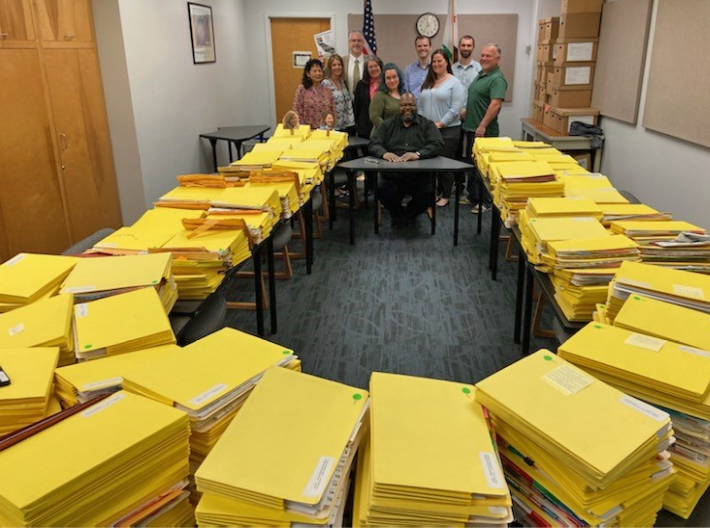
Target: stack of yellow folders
[199,262]
[594,186]
[28,277]
[263,199]
[339,139]
[683,288]
[666,374]
[309,152]
[121,323]
[287,185]
[303,131]
[446,428]
[150,231]
[582,270]
[189,198]
[539,232]
[250,478]
[576,451]
[95,467]
[332,145]
[518,181]
[637,212]
[26,399]
[206,181]
[43,323]
[83,381]
[310,174]
[557,208]
[209,379]
[260,224]
[96,278]
[258,160]
[483,146]
[657,240]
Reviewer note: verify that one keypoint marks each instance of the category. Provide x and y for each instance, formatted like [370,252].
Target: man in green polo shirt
[485,97]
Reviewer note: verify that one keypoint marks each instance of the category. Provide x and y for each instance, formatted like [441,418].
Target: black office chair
[209,318]
[88,242]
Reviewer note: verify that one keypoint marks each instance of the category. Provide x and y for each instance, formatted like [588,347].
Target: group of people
[432,108]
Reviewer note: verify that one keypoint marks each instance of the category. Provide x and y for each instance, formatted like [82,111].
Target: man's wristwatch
[418,155]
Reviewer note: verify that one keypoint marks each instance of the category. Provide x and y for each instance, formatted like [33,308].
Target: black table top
[237,133]
[437,164]
[357,142]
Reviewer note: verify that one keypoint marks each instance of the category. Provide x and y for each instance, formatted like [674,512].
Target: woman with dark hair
[385,103]
[335,80]
[364,92]
[313,101]
[441,100]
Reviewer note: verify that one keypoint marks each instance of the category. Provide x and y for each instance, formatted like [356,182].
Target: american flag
[368,30]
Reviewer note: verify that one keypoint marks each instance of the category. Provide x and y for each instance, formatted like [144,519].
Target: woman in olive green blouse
[385,103]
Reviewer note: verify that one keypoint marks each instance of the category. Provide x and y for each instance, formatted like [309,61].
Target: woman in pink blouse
[313,102]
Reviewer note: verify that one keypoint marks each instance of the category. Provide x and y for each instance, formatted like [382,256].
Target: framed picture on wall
[202,33]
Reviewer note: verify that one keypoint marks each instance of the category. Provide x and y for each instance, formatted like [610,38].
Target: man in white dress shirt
[354,62]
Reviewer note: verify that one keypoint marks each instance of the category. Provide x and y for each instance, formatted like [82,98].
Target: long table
[234,135]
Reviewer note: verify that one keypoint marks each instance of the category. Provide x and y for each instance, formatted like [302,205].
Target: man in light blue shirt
[415,73]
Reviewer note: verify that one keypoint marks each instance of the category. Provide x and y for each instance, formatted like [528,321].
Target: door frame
[270,51]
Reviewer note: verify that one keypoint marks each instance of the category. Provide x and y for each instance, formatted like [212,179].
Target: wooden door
[32,214]
[77,100]
[289,35]
[15,22]
[66,21]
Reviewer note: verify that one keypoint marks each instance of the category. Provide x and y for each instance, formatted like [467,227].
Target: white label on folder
[584,219]
[319,478]
[567,380]
[688,291]
[632,282]
[82,310]
[491,470]
[209,393]
[645,408]
[644,341]
[16,329]
[578,75]
[104,404]
[80,289]
[579,51]
[14,260]
[497,510]
[103,383]
[693,350]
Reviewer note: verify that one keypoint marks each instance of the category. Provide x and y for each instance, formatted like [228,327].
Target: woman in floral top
[313,101]
[345,118]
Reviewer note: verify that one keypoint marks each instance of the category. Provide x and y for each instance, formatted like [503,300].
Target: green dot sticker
[466,390]
[548,358]
[286,352]
[637,298]
[88,346]
[155,282]
[357,397]
[597,326]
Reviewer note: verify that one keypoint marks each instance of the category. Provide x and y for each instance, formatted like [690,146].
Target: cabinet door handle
[4,35]
[68,37]
[63,141]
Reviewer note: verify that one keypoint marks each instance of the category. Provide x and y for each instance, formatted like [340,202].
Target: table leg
[258,292]
[376,199]
[527,310]
[519,294]
[272,283]
[213,142]
[238,144]
[457,195]
[231,157]
[352,182]
[331,198]
[479,184]
[309,233]
[495,240]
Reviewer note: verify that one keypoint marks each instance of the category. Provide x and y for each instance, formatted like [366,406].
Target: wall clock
[427,25]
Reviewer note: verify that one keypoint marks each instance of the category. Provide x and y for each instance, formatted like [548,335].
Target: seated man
[407,137]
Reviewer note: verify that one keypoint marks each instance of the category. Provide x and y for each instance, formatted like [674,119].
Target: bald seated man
[400,139]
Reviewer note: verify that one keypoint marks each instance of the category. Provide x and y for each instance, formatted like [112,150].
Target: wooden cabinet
[57,179]
[65,21]
[15,22]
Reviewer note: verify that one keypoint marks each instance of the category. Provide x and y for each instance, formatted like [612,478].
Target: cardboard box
[576,50]
[548,118]
[560,119]
[552,26]
[581,6]
[538,111]
[584,160]
[541,30]
[579,25]
[539,72]
[550,85]
[570,97]
[540,92]
[574,74]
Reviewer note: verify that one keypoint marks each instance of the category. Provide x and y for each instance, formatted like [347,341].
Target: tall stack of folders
[576,451]
[401,480]
[286,457]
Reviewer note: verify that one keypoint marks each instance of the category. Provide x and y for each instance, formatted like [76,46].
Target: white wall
[664,172]
[172,99]
[256,13]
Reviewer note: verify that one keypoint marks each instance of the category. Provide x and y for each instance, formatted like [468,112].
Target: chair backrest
[209,318]
[88,242]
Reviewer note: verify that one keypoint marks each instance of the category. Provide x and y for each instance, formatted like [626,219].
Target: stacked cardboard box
[566,57]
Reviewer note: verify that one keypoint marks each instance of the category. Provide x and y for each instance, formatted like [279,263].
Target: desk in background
[236,135]
[536,131]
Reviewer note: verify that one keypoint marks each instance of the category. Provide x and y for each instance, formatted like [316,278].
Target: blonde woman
[335,80]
